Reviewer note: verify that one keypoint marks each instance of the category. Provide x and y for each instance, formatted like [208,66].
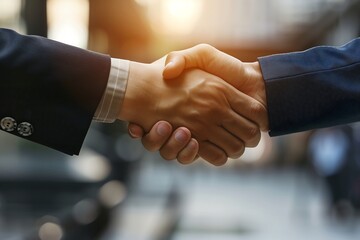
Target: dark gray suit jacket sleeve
[316,88]
[52,86]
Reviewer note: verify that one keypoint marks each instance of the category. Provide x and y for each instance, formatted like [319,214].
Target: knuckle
[218,159]
[254,141]
[236,147]
[205,48]
[257,109]
[152,147]
[186,156]
[168,152]
[239,153]
[253,132]
[172,54]
[218,86]
[167,156]
[252,137]
[212,154]
[184,159]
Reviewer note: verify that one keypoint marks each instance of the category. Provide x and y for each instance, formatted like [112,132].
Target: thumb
[174,66]
[207,58]
[177,61]
[135,131]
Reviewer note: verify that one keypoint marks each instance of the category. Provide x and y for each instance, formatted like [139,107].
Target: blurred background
[300,186]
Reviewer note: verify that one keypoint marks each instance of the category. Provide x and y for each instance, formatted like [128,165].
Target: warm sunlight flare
[9,8]
[68,21]
[180,16]
[173,17]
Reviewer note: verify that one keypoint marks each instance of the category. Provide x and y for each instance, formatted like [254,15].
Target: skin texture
[182,150]
[246,77]
[185,150]
[219,117]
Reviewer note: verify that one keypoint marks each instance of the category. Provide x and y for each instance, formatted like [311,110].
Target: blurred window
[68,21]
[10,14]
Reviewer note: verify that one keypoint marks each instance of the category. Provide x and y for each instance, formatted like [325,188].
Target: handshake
[195,102]
[202,103]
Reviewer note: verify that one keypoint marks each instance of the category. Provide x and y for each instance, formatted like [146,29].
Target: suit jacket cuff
[110,104]
[316,88]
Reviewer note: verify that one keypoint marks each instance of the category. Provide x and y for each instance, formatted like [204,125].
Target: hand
[246,77]
[171,145]
[214,105]
[184,149]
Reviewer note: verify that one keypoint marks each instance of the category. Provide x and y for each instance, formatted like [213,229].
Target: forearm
[139,103]
[313,89]
[256,82]
[54,87]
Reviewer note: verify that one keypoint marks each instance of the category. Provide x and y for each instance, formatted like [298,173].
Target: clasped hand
[197,94]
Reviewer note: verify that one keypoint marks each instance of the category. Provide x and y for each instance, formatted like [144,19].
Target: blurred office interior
[300,186]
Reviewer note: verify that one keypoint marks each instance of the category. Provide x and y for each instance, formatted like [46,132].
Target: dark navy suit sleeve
[52,86]
[316,88]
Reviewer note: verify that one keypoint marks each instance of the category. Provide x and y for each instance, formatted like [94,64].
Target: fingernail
[132,133]
[180,136]
[163,129]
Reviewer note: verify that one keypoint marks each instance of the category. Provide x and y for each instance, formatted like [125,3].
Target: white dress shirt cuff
[112,99]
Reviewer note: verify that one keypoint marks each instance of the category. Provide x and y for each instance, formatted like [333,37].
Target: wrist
[256,79]
[137,102]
